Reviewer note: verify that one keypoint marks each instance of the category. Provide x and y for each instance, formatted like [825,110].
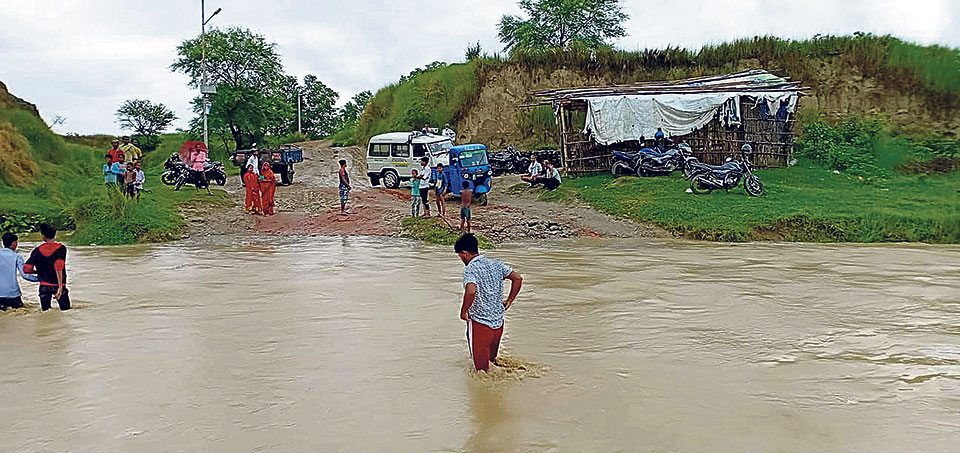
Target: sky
[82,59]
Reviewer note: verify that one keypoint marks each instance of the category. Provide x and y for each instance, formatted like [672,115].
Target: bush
[148,142]
[847,147]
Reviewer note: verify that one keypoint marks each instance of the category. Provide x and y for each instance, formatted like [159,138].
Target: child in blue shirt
[415,194]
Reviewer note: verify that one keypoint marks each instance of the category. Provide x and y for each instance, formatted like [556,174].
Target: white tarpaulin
[613,119]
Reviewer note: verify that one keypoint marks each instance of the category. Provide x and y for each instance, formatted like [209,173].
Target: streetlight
[204,88]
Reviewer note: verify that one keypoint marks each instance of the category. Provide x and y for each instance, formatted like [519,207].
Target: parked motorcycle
[651,161]
[171,169]
[707,178]
[213,172]
[510,160]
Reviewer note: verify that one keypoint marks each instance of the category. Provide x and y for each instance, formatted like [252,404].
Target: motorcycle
[213,171]
[171,169]
[651,161]
[508,161]
[707,178]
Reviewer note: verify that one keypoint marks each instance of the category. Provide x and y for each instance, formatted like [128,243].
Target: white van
[391,156]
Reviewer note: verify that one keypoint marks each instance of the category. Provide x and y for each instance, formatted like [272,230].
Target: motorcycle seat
[725,167]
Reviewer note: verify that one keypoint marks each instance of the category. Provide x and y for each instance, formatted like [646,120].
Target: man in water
[11,264]
[49,262]
[483,305]
[345,186]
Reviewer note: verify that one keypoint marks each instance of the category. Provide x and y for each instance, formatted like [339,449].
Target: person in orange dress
[251,183]
[268,186]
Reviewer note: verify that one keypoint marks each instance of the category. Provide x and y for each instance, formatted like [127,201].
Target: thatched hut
[714,115]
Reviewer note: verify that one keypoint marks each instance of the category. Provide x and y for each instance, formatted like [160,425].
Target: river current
[354,344]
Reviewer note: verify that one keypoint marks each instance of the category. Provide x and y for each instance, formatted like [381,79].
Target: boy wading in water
[48,261]
[483,305]
[466,197]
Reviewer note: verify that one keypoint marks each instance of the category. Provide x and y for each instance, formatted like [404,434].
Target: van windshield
[471,158]
[438,147]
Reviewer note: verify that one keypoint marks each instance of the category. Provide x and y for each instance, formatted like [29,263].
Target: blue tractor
[469,163]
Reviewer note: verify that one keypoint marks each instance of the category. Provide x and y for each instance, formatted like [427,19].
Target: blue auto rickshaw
[469,163]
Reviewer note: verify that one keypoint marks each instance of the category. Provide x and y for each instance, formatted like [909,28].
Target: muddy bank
[311,207]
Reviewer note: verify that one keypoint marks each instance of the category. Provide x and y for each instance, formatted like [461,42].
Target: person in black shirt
[48,261]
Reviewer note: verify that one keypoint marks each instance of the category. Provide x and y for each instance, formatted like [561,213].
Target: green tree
[352,110]
[144,117]
[253,94]
[319,108]
[560,23]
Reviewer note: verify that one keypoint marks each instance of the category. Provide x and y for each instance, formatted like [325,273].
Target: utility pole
[205,89]
[299,95]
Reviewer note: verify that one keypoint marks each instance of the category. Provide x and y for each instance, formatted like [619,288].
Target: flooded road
[354,344]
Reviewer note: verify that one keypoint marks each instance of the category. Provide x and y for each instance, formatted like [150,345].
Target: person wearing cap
[449,133]
[132,151]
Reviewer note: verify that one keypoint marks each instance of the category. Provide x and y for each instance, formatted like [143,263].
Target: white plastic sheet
[613,119]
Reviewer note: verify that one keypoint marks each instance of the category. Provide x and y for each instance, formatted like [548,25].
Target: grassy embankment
[434,231]
[64,186]
[877,197]
[446,94]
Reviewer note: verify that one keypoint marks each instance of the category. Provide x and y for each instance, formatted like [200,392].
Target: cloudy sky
[81,59]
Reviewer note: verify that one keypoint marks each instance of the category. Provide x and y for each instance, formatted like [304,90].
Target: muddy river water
[354,344]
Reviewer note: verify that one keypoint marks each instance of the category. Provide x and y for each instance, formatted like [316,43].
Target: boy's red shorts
[484,343]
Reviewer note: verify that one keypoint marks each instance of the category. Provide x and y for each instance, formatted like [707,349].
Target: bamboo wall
[771,139]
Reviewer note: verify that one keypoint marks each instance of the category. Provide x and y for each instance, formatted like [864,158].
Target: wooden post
[564,156]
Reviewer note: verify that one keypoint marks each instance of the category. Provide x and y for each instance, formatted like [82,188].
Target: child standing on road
[466,197]
[415,194]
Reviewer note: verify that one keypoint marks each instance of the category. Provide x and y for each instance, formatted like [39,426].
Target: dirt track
[311,207]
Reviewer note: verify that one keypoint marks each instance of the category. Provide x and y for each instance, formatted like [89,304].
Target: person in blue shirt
[110,171]
[443,187]
[11,264]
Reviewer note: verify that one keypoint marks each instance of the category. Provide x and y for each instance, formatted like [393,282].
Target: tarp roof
[758,81]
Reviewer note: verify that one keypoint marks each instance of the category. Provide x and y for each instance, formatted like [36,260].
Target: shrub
[846,147]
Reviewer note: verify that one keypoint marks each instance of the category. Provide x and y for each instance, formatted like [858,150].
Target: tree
[144,117]
[253,94]
[560,23]
[352,110]
[319,108]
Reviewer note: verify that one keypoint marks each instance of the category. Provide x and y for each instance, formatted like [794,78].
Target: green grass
[446,93]
[433,231]
[69,191]
[436,96]
[804,203]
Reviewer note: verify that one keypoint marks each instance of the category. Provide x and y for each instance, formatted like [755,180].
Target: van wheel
[391,179]
[482,199]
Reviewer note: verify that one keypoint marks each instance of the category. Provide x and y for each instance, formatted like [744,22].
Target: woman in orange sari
[268,185]
[250,182]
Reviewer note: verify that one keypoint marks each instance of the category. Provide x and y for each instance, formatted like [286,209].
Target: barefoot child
[466,197]
[415,193]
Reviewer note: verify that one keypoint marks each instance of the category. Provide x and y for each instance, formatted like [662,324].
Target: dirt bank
[311,206]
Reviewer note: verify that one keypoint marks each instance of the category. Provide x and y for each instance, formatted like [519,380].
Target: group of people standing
[261,186]
[46,266]
[423,179]
[545,174]
[127,177]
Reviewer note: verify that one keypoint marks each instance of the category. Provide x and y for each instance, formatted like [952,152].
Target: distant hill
[912,88]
